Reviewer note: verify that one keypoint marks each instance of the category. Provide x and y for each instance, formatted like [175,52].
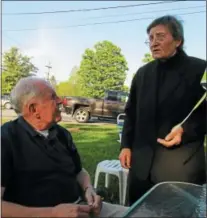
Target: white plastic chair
[113,167]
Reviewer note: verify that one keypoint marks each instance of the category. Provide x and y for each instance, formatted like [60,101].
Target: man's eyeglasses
[157,38]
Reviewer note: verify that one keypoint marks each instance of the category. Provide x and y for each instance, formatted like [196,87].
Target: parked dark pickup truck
[82,109]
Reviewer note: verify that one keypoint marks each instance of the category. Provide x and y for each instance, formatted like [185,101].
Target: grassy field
[95,143]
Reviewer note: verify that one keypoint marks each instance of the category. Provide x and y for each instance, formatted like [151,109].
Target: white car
[5,102]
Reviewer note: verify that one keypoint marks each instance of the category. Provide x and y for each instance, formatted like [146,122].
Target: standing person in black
[162,94]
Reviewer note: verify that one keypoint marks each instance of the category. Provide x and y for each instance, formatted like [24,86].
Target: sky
[54,41]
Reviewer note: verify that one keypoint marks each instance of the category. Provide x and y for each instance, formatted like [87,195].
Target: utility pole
[49,67]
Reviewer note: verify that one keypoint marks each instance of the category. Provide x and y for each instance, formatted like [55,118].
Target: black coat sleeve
[130,115]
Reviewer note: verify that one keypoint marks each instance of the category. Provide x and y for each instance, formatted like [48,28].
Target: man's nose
[154,43]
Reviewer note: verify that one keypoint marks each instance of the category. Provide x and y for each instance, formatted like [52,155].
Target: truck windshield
[122,97]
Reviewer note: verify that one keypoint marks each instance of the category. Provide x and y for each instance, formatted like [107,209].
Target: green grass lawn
[95,143]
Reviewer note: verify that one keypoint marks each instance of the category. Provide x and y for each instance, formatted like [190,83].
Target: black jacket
[161,96]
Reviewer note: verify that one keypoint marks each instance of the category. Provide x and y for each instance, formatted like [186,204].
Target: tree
[53,81]
[147,58]
[125,88]
[102,68]
[73,72]
[64,89]
[74,82]
[15,67]
[71,87]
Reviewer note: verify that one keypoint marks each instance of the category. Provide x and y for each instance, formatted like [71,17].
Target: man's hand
[125,158]
[93,200]
[71,210]
[173,138]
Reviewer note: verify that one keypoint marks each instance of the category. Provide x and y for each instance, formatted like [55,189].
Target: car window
[112,96]
[122,97]
[5,97]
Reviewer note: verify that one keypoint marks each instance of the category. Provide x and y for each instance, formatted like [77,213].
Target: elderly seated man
[42,175]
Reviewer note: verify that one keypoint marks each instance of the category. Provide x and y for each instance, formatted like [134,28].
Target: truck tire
[82,115]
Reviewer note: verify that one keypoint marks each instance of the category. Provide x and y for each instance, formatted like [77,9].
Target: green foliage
[71,87]
[74,82]
[125,88]
[73,72]
[102,68]
[63,89]
[147,58]
[15,67]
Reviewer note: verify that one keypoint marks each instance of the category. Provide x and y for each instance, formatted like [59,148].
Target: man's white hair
[25,89]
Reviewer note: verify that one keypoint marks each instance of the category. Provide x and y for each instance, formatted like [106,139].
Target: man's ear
[178,43]
[32,109]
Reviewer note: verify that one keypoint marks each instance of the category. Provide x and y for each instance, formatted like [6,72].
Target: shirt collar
[27,126]
[33,132]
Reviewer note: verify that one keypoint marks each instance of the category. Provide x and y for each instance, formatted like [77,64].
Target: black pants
[136,188]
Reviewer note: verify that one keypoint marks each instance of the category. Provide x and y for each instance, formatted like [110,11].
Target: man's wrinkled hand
[125,158]
[173,138]
[93,200]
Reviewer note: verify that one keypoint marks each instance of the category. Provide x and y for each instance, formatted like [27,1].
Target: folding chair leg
[96,178]
[107,180]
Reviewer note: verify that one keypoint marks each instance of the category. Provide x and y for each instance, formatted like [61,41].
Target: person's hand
[71,210]
[96,208]
[173,138]
[93,200]
[125,158]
